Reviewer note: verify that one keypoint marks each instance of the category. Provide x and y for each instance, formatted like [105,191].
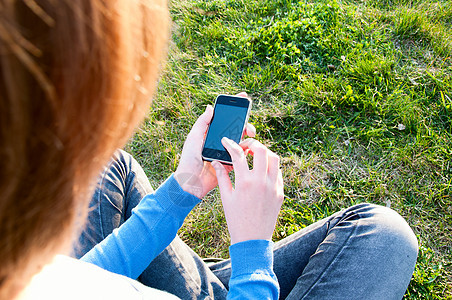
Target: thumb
[201,124]
[195,138]
[224,183]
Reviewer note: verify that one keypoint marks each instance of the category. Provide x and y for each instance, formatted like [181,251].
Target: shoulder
[68,278]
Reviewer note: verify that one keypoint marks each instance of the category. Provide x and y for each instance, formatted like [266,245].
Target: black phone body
[230,116]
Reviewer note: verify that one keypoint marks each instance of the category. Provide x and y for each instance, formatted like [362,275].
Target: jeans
[362,252]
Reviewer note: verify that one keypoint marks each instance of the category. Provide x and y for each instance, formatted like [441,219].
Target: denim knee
[391,226]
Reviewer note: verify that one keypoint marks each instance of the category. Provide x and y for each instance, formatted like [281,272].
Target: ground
[355,97]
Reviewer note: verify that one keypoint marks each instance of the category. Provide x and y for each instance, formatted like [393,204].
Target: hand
[194,175]
[252,207]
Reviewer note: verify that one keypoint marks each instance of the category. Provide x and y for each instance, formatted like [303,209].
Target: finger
[260,155]
[242,94]
[228,168]
[237,155]
[199,129]
[224,183]
[250,130]
[280,185]
[273,166]
[208,172]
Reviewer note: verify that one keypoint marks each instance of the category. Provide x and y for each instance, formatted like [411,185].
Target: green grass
[355,96]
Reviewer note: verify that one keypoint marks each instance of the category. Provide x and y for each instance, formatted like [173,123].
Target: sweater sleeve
[154,223]
[252,271]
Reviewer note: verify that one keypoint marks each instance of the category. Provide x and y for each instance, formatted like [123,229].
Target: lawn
[355,97]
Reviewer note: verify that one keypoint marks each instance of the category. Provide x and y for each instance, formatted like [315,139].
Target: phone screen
[230,115]
[227,122]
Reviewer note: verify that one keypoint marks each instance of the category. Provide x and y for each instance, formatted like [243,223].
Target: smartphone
[230,115]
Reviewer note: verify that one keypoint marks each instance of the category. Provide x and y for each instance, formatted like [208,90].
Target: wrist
[244,238]
[190,183]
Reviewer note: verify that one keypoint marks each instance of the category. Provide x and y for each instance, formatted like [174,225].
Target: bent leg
[363,252]
[180,271]
[177,270]
[367,252]
[120,188]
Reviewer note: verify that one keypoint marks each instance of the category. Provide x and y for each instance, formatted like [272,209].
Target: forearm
[152,226]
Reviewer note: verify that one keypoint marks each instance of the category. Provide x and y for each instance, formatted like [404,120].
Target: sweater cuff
[250,257]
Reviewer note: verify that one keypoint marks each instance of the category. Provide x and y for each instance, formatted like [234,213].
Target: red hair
[76,77]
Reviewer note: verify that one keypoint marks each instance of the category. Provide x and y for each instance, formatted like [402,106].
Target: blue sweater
[154,223]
